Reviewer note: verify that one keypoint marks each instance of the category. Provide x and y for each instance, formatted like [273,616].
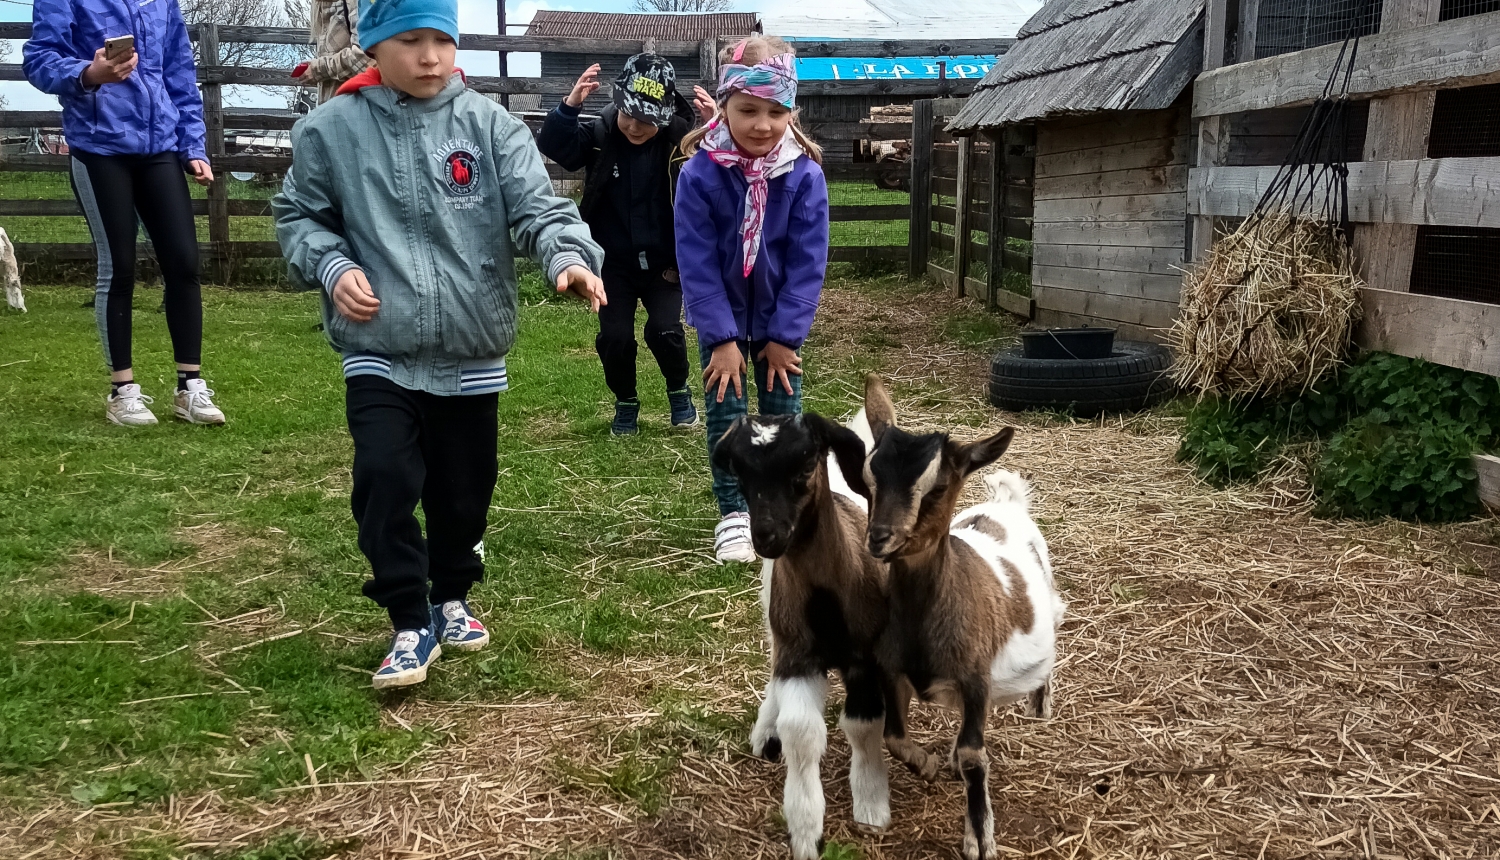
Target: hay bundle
[1272,308]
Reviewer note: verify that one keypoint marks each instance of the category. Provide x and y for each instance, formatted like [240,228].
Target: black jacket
[594,146]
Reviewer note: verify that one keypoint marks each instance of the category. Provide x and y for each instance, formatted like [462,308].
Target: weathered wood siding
[1110,219]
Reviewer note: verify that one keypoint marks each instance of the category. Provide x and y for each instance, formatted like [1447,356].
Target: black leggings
[623,287]
[113,190]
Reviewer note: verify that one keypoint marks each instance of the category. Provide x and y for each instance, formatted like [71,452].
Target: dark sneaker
[456,626]
[684,414]
[627,414]
[412,651]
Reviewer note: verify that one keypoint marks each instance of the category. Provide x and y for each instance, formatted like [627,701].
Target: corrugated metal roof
[1083,56]
[664,26]
[911,19]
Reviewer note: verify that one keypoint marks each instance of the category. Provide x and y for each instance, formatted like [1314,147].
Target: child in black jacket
[631,155]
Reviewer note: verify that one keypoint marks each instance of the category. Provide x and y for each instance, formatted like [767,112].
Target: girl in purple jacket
[752,248]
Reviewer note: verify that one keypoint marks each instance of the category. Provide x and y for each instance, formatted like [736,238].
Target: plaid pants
[721,415]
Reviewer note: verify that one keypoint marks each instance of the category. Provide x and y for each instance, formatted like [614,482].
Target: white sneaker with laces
[128,407]
[195,404]
[732,538]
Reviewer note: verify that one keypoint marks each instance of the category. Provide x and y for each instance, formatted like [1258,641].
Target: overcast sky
[474,16]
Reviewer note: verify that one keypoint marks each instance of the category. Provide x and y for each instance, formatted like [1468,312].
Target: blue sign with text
[886,69]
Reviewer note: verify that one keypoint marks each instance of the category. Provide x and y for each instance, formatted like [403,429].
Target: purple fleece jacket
[778,300]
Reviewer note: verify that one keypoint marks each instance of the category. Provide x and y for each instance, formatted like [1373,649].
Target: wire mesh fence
[1466,123]
[1464,8]
[1457,263]
[1284,26]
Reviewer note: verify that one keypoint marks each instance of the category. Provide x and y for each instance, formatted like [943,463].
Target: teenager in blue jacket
[752,246]
[134,123]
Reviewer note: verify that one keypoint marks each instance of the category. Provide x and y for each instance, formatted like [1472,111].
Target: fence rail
[213,76]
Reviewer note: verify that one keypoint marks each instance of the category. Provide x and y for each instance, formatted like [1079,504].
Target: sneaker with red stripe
[457,627]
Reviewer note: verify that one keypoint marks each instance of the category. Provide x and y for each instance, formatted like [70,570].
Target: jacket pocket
[479,314]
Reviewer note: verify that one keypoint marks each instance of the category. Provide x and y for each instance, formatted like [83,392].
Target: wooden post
[919,234]
[1249,26]
[961,213]
[1213,131]
[218,192]
[504,56]
[999,208]
[708,60]
[1398,130]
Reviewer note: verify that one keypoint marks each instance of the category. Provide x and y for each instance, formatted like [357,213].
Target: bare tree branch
[683,5]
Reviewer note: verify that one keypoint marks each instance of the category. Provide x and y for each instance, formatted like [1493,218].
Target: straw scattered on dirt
[1237,679]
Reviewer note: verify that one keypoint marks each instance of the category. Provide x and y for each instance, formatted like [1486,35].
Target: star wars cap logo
[654,90]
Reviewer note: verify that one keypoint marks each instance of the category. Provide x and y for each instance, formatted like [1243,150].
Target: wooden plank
[1114,183]
[1021,306]
[1130,207]
[1451,332]
[890,212]
[31,252]
[1100,306]
[961,222]
[995,262]
[1160,234]
[1458,53]
[64,207]
[942,276]
[1111,258]
[1244,47]
[920,229]
[1453,192]
[1110,128]
[1215,29]
[1161,152]
[857,253]
[1488,468]
[1213,150]
[218,190]
[868,130]
[1134,285]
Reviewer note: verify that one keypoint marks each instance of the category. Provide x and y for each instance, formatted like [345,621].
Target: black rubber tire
[1133,378]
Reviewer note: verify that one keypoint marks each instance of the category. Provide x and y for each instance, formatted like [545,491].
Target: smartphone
[118,46]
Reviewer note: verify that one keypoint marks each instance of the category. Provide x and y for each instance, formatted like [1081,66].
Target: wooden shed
[1106,85]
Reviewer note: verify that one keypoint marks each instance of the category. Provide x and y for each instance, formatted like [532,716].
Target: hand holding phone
[111,69]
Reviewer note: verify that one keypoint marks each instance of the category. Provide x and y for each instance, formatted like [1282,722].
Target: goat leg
[763,740]
[916,759]
[1039,701]
[974,766]
[804,737]
[863,724]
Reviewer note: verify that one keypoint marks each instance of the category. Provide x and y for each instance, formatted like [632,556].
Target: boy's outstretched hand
[583,284]
[353,298]
[588,82]
[779,362]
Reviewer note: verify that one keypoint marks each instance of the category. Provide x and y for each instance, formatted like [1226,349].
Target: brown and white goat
[974,612]
[824,597]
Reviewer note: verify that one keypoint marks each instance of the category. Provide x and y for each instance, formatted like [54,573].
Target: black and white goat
[824,597]
[973,609]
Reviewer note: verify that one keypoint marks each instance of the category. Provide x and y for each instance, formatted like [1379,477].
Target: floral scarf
[758,172]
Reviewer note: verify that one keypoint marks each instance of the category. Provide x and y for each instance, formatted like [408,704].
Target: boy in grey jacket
[401,202]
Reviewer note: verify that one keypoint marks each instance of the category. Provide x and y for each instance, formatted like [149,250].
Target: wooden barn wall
[1111,219]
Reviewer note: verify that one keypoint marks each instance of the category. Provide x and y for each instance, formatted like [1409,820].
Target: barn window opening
[1466,123]
[1464,8]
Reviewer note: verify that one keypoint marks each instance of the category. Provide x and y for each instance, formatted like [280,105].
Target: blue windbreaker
[156,109]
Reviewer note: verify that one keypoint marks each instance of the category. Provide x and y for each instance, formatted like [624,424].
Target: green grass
[866,233]
[127,555]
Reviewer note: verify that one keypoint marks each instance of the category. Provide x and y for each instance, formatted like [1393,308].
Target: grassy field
[183,608]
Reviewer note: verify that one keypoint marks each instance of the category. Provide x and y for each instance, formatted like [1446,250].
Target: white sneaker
[128,407]
[732,538]
[195,404]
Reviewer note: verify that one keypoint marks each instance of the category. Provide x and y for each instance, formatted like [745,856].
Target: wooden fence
[971,197]
[222,253]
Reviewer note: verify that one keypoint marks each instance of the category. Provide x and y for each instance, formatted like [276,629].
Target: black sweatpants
[625,286]
[113,190]
[410,447]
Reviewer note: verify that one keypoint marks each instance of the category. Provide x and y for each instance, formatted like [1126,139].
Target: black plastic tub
[1080,343]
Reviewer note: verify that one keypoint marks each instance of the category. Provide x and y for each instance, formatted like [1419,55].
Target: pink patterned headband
[773,79]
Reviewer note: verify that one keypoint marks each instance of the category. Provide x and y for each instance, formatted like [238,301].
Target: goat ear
[720,457]
[879,410]
[848,449]
[974,456]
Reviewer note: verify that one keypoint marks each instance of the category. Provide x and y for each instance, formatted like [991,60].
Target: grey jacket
[423,195]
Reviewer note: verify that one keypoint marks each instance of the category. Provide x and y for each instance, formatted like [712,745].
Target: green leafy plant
[1422,471]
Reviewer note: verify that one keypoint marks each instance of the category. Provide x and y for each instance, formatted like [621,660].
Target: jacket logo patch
[458,165]
[460,173]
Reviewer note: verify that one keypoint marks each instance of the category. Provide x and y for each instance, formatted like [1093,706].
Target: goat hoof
[871,830]
[772,750]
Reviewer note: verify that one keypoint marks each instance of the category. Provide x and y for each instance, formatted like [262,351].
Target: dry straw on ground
[1237,680]
[1271,309]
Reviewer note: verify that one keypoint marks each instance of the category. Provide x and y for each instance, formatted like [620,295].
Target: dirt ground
[1237,679]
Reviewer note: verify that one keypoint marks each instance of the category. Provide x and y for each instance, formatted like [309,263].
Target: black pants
[411,446]
[113,190]
[623,287]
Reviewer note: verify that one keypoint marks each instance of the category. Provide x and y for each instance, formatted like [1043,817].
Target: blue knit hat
[381,19]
